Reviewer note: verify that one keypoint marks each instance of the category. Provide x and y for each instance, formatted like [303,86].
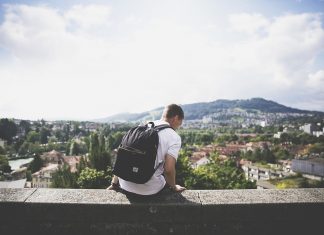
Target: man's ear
[177,118]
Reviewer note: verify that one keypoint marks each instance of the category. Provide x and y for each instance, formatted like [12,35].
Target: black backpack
[137,152]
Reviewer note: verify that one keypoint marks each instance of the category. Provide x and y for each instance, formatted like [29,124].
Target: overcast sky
[92,59]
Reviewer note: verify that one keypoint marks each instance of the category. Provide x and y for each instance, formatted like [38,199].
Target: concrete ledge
[90,211]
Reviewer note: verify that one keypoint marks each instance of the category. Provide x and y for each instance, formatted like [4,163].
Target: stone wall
[90,211]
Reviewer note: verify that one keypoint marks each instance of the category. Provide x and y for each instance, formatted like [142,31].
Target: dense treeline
[217,174]
[199,137]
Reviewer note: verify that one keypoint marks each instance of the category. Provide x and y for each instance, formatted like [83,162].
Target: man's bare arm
[114,183]
[170,173]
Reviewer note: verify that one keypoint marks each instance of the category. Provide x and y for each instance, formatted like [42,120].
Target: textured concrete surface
[15,194]
[269,196]
[189,197]
[62,211]
[76,196]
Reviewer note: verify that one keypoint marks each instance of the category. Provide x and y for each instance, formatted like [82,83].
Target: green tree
[258,129]
[8,129]
[91,178]
[59,135]
[2,151]
[23,150]
[33,137]
[4,164]
[219,175]
[281,153]
[222,139]
[317,148]
[267,155]
[36,164]
[102,143]
[105,157]
[64,178]
[43,135]
[66,132]
[257,155]
[25,125]
[114,140]
[205,138]
[74,149]
[94,154]
[100,158]
[76,129]
[280,128]
[86,140]
[83,164]
[264,155]
[29,175]
[28,149]
[68,147]
[184,172]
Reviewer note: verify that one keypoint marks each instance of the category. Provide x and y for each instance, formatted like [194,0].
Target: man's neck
[165,120]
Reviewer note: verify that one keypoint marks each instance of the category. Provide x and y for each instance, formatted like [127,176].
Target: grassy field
[296,182]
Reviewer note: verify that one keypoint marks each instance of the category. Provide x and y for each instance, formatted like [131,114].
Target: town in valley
[228,149]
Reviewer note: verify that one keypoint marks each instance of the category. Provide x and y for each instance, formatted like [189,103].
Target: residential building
[263,123]
[200,162]
[277,135]
[255,173]
[318,133]
[207,119]
[73,162]
[311,168]
[286,165]
[251,146]
[308,128]
[43,178]
[54,160]
[196,156]
[19,173]
[53,157]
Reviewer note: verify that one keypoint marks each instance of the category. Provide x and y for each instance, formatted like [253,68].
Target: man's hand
[177,188]
[113,186]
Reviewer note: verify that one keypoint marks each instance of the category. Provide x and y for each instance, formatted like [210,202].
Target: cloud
[48,65]
[248,23]
[316,80]
[286,50]
[26,30]
[85,62]
[88,16]
[43,33]
[284,54]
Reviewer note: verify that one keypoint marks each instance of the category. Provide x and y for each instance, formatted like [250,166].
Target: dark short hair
[173,110]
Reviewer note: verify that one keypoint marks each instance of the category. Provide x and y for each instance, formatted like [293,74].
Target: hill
[201,110]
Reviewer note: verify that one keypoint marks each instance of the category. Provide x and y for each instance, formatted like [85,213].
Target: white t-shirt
[169,143]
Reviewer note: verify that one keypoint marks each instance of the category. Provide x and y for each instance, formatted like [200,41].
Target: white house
[200,162]
[43,178]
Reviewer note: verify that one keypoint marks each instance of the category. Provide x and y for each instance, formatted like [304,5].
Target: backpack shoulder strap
[162,127]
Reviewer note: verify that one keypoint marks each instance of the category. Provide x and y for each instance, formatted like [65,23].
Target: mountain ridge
[199,110]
